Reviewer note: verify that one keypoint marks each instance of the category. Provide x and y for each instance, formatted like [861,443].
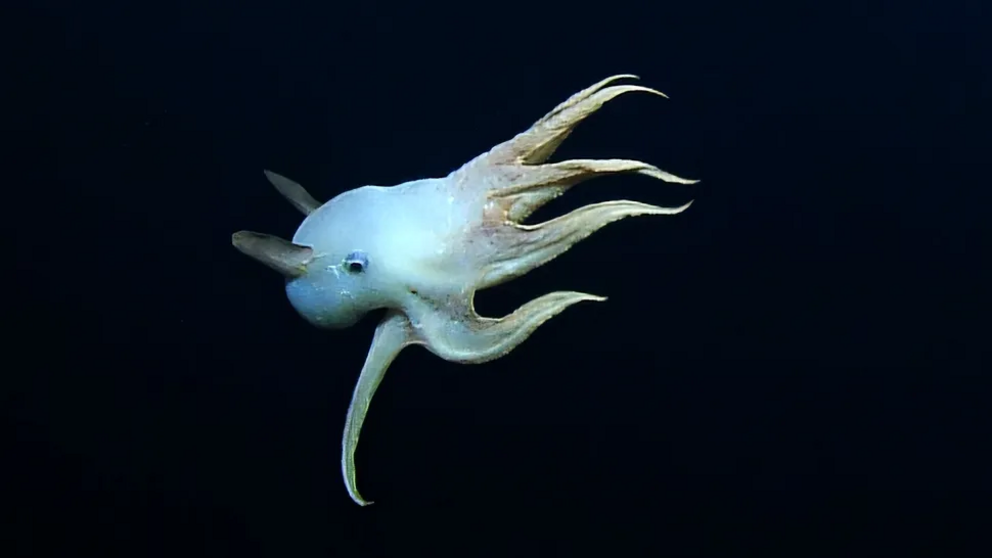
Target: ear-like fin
[281,255]
[293,192]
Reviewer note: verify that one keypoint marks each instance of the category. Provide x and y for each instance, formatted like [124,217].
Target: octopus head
[333,277]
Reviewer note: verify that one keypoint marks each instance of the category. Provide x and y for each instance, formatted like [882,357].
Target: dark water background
[797,365]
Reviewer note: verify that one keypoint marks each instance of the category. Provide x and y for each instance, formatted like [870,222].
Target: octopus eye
[356,262]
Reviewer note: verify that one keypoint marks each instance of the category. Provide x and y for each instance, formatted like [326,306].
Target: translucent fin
[281,255]
[296,194]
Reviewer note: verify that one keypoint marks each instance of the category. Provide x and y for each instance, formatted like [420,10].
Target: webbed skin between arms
[422,249]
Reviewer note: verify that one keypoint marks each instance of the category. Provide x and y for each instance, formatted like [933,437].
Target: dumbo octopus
[421,249]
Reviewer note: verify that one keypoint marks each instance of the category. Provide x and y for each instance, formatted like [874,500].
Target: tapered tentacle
[540,141]
[526,247]
[533,186]
[582,95]
[390,337]
[472,339]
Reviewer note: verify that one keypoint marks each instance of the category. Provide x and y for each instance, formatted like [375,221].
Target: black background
[796,365]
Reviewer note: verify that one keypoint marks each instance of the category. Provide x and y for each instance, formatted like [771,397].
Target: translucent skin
[422,249]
